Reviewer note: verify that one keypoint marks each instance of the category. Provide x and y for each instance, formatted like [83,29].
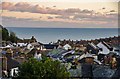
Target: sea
[47,35]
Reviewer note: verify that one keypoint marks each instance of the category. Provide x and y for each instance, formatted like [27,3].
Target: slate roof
[56,52]
[87,55]
[12,63]
[50,46]
[108,46]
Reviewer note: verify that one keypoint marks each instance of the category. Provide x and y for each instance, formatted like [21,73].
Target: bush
[45,69]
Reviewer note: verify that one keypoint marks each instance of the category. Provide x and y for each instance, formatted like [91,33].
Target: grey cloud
[107,17]
[112,11]
[62,17]
[15,22]
[87,11]
[49,17]
[73,10]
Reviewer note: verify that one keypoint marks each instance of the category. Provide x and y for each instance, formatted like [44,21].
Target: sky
[60,13]
[62,0]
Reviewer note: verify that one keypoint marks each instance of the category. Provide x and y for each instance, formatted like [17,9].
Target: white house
[30,47]
[106,49]
[67,46]
[14,72]
[21,44]
[8,46]
[38,56]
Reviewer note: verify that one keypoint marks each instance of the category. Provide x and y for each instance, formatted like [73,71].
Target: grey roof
[103,71]
[85,55]
[11,63]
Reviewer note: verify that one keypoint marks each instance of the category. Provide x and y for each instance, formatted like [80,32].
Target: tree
[13,37]
[5,34]
[44,69]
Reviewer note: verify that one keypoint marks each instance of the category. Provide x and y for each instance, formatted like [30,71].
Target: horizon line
[62,27]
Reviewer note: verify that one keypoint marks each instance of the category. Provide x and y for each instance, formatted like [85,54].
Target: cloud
[70,15]
[73,10]
[19,22]
[62,17]
[7,6]
[97,17]
[26,7]
[87,11]
[103,8]
[49,17]
[112,11]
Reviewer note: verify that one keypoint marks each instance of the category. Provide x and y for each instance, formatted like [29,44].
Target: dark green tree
[5,34]
[13,37]
[44,69]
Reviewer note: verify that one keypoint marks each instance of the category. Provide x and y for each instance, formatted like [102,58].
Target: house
[35,44]
[80,47]
[38,55]
[3,43]
[11,64]
[88,58]
[69,52]
[38,45]
[60,46]
[14,72]
[67,46]
[116,50]
[33,39]
[92,48]
[49,46]
[104,48]
[30,47]
[85,55]
[21,44]
[56,53]
[8,46]
[8,64]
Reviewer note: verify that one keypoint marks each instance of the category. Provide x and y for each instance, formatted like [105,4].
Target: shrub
[44,69]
